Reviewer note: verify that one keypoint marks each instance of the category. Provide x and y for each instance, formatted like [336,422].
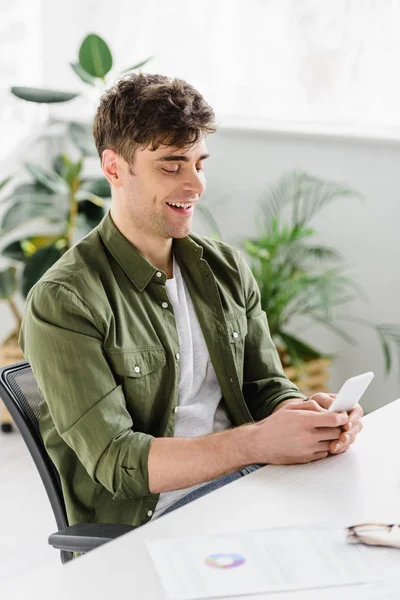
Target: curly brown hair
[147,110]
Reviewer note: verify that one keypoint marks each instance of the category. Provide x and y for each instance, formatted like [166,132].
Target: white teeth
[178,204]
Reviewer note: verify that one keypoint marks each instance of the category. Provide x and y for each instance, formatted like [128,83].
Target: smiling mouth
[184,205]
[182,208]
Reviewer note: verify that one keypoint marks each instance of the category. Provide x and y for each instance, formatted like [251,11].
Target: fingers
[352,433]
[354,416]
[311,457]
[323,446]
[345,439]
[327,419]
[319,455]
[309,405]
[329,433]
[323,400]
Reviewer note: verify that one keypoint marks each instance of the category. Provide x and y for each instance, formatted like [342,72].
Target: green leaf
[297,349]
[81,134]
[389,335]
[41,96]
[95,56]
[138,65]
[84,75]
[72,174]
[31,189]
[386,351]
[8,283]
[28,208]
[90,215]
[14,251]
[98,187]
[335,329]
[37,264]
[60,163]
[50,179]
[5,181]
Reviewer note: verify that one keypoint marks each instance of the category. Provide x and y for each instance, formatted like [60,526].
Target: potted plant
[301,279]
[43,216]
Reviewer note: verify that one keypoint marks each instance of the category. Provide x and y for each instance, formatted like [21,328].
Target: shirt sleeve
[64,345]
[265,384]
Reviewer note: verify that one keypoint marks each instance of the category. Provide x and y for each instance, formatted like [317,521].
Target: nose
[195,182]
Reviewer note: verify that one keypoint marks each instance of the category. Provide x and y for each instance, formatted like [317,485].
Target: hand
[349,431]
[299,432]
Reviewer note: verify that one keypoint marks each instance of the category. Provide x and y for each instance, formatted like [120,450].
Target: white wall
[244,162]
[366,232]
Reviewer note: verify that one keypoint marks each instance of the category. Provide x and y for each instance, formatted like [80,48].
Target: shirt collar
[136,267]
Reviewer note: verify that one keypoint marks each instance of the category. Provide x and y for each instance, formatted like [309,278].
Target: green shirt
[100,334]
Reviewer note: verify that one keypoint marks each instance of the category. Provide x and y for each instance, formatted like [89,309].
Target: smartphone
[351,392]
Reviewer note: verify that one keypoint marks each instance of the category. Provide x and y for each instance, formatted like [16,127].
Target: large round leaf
[41,96]
[81,134]
[50,179]
[37,265]
[31,189]
[8,283]
[26,208]
[98,187]
[84,75]
[95,56]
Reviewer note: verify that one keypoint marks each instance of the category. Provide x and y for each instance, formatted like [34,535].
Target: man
[149,344]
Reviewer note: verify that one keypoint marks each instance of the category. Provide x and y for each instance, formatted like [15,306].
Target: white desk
[362,485]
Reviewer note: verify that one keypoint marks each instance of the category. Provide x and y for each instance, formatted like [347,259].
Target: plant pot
[10,353]
[311,376]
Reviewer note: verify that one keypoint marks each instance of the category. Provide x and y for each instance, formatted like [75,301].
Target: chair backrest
[21,396]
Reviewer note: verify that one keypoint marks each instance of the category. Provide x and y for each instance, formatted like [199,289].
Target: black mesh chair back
[22,398]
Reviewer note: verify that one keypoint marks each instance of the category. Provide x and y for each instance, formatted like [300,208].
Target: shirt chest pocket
[142,373]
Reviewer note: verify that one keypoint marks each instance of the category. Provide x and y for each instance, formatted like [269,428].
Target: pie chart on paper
[224,561]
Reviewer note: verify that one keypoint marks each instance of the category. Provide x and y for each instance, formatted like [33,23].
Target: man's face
[160,190]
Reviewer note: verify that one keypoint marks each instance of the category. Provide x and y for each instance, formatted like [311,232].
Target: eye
[171,172]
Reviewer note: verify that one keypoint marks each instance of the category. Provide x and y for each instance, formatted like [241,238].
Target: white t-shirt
[200,409]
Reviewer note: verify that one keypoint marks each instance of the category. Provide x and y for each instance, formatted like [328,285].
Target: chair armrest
[84,537]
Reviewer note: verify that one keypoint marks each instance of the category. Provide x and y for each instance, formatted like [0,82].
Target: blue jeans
[213,485]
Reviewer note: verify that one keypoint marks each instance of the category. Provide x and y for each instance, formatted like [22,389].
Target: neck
[156,250]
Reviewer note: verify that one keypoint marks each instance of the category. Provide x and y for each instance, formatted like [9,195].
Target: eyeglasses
[375,534]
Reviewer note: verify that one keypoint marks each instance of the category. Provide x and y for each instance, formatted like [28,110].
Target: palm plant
[298,278]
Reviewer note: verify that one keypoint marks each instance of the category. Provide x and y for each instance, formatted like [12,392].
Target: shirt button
[231,379]
[175,409]
[235,334]
[149,513]
[158,274]
[177,356]
[164,304]
[137,369]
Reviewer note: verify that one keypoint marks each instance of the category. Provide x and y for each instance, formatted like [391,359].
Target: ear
[111,168]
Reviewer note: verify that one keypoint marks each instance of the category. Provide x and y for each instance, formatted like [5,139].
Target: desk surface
[362,485]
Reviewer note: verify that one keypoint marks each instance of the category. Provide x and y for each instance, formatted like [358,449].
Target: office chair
[21,396]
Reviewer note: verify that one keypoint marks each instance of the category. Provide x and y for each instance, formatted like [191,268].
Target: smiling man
[160,378]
